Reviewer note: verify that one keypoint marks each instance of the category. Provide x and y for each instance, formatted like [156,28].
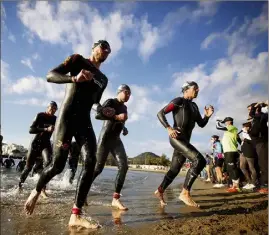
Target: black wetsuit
[9,162]
[185,115]
[21,165]
[74,121]
[110,142]
[40,144]
[73,160]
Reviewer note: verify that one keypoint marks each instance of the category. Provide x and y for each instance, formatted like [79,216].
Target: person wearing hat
[42,128]
[84,87]
[109,139]
[231,155]
[218,159]
[185,114]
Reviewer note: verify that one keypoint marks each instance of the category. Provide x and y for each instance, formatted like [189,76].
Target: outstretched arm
[220,126]
[58,74]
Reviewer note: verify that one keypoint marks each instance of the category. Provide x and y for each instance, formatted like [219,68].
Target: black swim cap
[188,84]
[124,87]
[104,45]
[53,103]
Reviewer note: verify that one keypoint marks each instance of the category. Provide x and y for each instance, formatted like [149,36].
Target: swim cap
[124,87]
[187,85]
[53,103]
[103,44]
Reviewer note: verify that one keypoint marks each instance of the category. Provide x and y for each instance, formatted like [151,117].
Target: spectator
[218,160]
[247,158]
[231,155]
[259,135]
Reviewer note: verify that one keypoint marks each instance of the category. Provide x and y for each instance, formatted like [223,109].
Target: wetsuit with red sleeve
[185,115]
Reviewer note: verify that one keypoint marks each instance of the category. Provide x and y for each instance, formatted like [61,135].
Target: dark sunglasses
[105,47]
[127,92]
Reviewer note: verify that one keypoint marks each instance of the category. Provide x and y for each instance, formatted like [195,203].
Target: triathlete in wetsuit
[42,127]
[73,160]
[85,86]
[9,162]
[21,165]
[185,115]
[110,142]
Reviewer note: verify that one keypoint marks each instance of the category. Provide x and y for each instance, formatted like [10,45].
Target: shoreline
[220,213]
[181,173]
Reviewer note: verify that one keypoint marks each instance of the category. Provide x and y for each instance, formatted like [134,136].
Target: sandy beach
[220,212]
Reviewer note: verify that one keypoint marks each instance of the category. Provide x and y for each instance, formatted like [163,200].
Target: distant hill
[141,158]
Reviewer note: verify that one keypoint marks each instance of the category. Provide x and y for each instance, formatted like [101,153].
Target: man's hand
[209,111]
[83,76]
[50,129]
[108,112]
[121,117]
[125,131]
[172,132]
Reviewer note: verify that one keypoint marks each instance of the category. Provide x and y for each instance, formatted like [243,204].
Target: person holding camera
[231,155]
[259,135]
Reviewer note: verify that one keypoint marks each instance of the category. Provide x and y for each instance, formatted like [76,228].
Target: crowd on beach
[245,168]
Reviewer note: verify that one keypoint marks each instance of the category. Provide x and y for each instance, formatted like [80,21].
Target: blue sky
[156,47]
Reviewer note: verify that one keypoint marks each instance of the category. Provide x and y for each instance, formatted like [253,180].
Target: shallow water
[51,215]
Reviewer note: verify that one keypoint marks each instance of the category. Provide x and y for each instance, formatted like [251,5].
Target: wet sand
[220,213]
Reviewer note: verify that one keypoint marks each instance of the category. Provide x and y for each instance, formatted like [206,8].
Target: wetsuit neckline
[119,101]
[89,59]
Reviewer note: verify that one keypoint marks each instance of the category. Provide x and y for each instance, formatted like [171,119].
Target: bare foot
[79,221]
[188,200]
[44,194]
[160,197]
[29,205]
[116,203]
[116,214]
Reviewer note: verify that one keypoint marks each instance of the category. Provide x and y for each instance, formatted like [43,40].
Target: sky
[156,47]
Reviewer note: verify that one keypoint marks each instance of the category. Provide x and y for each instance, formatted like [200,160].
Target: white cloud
[154,37]
[28,63]
[75,23]
[36,56]
[34,85]
[3,18]
[240,40]
[11,37]
[206,8]
[29,36]
[4,72]
[79,24]
[260,23]
[32,102]
[229,87]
